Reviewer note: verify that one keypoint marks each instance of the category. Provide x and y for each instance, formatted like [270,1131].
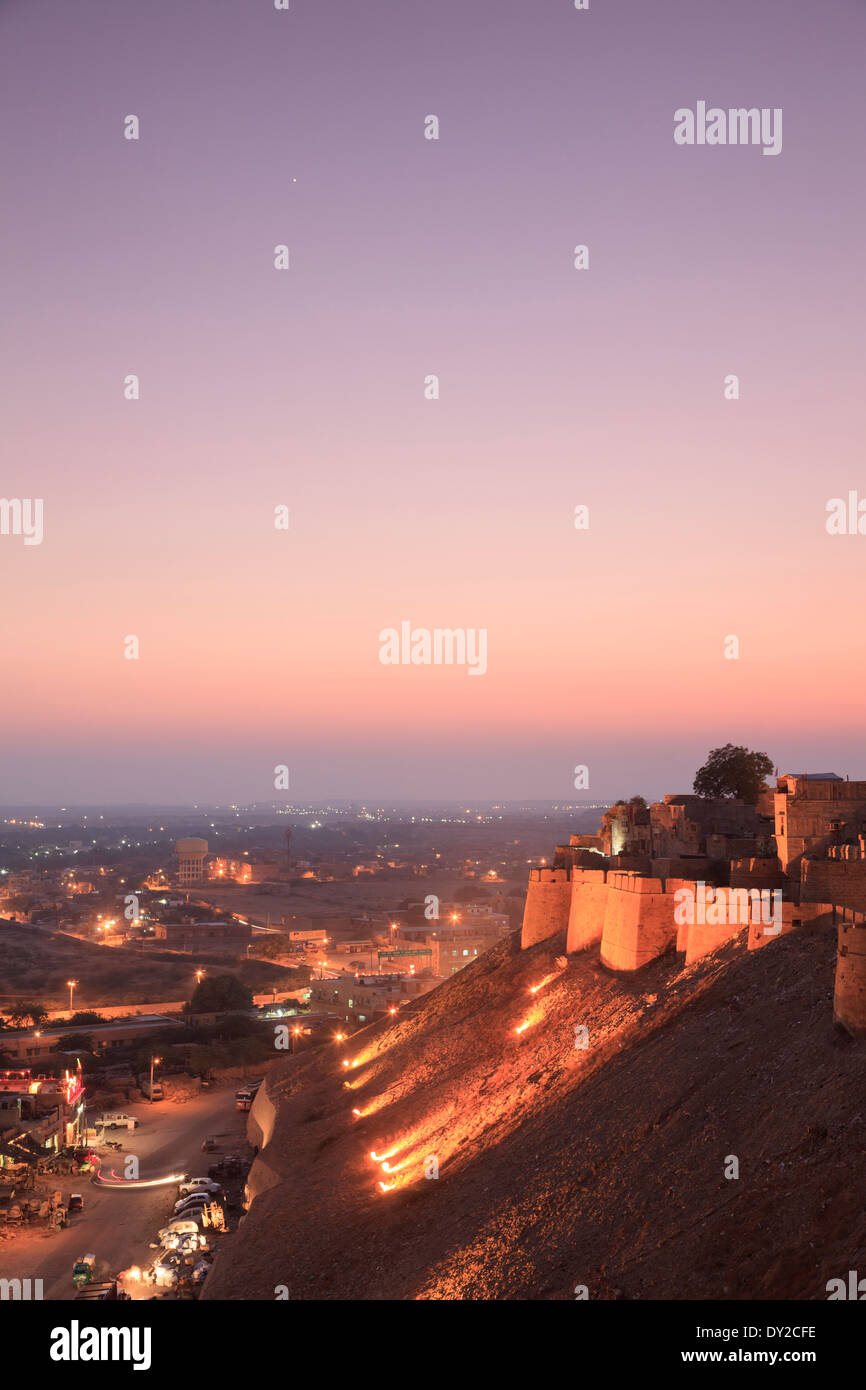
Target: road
[118,1226]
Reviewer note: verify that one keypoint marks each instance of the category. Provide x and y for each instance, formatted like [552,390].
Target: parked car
[191,1185]
[229,1167]
[189,1204]
[115,1119]
[81,1155]
[246,1095]
[186,1243]
[83,1270]
[179,1227]
[186,1206]
[166,1271]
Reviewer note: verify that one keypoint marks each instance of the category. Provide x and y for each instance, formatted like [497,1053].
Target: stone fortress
[796,858]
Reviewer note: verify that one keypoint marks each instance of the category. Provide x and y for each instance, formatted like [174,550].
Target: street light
[71,984]
[153,1060]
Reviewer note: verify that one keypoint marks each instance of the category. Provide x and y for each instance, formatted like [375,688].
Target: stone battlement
[849,999]
[634,918]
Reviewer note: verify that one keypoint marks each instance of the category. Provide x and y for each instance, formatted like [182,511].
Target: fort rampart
[849,999]
[634,918]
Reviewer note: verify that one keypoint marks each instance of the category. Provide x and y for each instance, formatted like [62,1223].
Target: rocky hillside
[560,1164]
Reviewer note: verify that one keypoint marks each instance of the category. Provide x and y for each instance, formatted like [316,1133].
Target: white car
[166,1271]
[185,1243]
[191,1185]
[188,1205]
[178,1228]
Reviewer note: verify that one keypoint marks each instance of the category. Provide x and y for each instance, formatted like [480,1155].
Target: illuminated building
[190,859]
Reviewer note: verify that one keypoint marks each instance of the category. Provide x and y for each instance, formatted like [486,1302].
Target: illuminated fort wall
[632,917]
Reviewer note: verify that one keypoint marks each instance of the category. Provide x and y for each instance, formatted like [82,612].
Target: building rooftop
[111,1025]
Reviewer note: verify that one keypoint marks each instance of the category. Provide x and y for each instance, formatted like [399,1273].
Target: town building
[814,811]
[361,999]
[454,947]
[39,1115]
[40,1047]
[191,854]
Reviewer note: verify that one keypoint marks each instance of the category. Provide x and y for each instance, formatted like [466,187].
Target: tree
[270,947]
[236,1026]
[733,771]
[469,894]
[220,994]
[87,1016]
[22,1012]
[74,1042]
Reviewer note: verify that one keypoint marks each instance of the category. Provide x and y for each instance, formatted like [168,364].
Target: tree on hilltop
[220,994]
[733,771]
[23,1012]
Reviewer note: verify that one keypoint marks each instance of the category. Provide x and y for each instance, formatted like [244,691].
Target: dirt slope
[561,1165]
[35,962]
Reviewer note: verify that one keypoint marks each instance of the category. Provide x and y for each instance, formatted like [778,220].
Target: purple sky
[558,387]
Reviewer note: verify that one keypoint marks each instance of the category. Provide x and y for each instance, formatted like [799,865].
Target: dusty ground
[37,963]
[561,1166]
[118,1226]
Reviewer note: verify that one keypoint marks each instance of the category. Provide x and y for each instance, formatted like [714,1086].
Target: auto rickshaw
[83,1270]
[76,1202]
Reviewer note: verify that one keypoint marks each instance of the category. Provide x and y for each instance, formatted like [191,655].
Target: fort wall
[634,917]
[849,999]
[548,903]
[638,921]
[840,881]
[757,873]
[588,908]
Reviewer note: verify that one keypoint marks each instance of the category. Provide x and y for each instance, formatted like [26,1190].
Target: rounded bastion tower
[849,999]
